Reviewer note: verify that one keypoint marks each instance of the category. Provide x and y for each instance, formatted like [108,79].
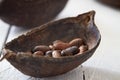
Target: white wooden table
[103,65]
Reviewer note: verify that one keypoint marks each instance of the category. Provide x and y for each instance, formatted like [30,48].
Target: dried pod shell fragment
[66,30]
[113,3]
[30,13]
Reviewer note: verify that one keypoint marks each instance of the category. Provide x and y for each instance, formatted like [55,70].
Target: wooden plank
[6,69]
[93,73]
[3,33]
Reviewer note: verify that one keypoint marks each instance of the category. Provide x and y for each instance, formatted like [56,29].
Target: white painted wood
[103,65]
[3,36]
[93,73]
[3,32]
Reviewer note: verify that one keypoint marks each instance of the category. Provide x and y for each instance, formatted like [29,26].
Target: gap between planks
[4,42]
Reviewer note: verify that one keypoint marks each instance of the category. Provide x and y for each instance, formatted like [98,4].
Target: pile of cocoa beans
[59,48]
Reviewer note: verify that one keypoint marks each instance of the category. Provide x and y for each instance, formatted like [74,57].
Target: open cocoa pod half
[113,3]
[17,51]
[30,13]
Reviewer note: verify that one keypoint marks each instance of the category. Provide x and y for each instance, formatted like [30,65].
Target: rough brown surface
[66,30]
[30,13]
[113,3]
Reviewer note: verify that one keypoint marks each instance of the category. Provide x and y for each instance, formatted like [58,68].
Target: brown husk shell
[82,26]
[30,13]
[113,3]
